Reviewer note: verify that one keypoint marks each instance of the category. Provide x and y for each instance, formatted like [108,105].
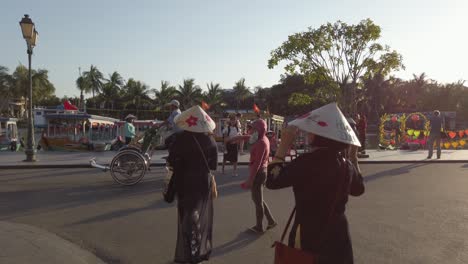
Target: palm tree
[165,94]
[241,92]
[189,94]
[111,89]
[42,88]
[94,77]
[213,96]
[83,86]
[6,87]
[136,93]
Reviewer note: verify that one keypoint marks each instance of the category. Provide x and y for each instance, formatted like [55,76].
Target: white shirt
[232,133]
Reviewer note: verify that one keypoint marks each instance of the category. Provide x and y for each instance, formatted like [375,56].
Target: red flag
[256,109]
[204,105]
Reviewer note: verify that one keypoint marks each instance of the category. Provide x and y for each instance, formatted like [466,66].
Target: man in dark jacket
[434,134]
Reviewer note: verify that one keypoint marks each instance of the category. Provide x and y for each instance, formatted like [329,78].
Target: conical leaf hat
[195,119]
[327,121]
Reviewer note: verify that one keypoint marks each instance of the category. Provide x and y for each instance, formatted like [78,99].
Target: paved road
[411,213]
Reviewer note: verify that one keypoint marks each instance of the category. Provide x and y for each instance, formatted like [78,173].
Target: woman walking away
[129,128]
[321,181]
[192,156]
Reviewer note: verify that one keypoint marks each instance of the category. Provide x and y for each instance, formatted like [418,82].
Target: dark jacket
[317,179]
[190,170]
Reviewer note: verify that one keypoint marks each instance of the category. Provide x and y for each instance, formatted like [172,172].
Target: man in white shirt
[169,123]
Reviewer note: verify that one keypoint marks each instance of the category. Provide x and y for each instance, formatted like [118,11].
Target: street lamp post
[30,35]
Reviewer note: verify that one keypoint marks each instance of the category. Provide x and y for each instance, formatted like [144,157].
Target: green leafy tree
[299,99]
[136,95]
[164,95]
[189,94]
[214,96]
[262,97]
[111,89]
[95,80]
[6,88]
[339,52]
[241,92]
[84,87]
[42,87]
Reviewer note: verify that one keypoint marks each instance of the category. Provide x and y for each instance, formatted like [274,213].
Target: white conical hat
[195,119]
[327,121]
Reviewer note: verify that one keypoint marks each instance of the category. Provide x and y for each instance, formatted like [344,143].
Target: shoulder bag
[214,188]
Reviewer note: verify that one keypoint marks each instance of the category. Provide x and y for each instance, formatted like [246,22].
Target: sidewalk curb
[159,164]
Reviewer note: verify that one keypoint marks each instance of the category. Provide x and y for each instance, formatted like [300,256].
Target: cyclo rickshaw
[130,164]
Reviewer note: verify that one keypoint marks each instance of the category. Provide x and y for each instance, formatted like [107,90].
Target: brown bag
[214,188]
[288,255]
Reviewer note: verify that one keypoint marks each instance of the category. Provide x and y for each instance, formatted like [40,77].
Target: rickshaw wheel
[128,167]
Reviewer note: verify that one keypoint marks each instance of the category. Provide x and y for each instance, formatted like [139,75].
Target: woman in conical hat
[129,128]
[322,180]
[192,155]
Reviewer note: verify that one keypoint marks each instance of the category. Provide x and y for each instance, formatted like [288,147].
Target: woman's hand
[288,134]
[247,185]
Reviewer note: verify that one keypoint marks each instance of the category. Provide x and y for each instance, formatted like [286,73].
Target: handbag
[285,254]
[288,255]
[170,191]
[214,188]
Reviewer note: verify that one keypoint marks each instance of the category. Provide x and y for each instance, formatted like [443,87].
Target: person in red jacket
[259,155]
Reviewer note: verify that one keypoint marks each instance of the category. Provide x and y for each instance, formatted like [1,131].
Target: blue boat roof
[4,119]
[80,116]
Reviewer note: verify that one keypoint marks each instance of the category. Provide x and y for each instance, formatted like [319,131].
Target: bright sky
[219,41]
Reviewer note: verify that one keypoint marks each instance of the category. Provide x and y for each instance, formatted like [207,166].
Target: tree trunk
[81,100]
[94,100]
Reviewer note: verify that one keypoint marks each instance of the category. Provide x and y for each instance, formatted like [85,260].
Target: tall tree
[84,87]
[95,80]
[165,94]
[262,97]
[42,87]
[189,94]
[339,52]
[111,89]
[136,94]
[213,96]
[6,87]
[241,92]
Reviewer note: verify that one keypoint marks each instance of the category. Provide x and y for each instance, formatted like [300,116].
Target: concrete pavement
[56,159]
[20,244]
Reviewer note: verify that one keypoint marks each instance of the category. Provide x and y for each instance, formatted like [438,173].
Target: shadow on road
[125,212]
[242,240]
[393,172]
[29,201]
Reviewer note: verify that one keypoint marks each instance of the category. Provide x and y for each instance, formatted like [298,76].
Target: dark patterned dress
[192,182]
[317,179]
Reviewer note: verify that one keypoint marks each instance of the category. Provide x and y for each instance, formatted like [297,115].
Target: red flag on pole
[256,109]
[204,105]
